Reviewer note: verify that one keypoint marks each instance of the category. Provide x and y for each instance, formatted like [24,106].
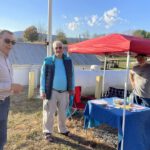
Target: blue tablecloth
[137,124]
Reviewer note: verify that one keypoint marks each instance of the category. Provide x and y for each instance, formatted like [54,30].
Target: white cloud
[110,17]
[76,19]
[93,20]
[85,18]
[73,25]
[64,16]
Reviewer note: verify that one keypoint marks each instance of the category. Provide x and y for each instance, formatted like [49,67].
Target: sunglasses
[58,47]
[8,41]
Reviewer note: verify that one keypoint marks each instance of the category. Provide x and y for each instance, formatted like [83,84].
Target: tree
[42,32]
[148,35]
[140,33]
[31,34]
[86,35]
[19,39]
[61,36]
[97,35]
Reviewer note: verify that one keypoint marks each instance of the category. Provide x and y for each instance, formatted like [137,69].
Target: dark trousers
[4,109]
[142,101]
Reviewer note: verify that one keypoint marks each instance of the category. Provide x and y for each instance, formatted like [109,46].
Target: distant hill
[19,35]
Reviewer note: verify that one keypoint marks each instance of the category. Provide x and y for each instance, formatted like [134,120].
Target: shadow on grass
[25,105]
[82,143]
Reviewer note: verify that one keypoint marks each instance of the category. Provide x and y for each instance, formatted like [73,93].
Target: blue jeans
[1,147]
[4,109]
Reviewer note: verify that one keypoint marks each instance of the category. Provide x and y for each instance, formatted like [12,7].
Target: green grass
[122,64]
[25,130]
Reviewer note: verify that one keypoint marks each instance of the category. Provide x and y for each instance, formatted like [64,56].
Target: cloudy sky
[75,17]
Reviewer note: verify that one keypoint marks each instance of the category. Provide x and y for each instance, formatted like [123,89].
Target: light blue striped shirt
[5,76]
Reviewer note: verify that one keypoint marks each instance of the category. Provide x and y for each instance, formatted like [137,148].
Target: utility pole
[49,35]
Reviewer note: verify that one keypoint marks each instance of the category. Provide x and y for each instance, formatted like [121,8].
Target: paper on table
[99,102]
[138,107]
[133,107]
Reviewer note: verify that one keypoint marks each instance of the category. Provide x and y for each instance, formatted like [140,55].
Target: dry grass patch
[25,130]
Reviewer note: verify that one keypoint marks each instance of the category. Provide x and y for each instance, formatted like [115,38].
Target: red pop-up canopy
[113,43]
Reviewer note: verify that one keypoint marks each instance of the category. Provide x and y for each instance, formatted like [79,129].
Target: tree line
[38,34]
[34,34]
[141,33]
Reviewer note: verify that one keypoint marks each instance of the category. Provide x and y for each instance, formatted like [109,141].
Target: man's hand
[16,88]
[43,95]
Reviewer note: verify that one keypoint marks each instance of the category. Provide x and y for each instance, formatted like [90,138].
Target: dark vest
[49,76]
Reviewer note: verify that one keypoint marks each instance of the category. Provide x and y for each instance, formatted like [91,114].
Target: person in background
[56,84]
[7,87]
[140,81]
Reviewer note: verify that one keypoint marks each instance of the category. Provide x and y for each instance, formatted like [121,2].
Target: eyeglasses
[8,41]
[58,47]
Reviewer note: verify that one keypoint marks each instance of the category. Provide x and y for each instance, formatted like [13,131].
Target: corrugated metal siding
[28,53]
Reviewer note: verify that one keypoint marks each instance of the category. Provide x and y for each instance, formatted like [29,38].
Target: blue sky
[76,17]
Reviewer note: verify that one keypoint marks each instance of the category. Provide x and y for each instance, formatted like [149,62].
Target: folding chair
[115,92]
[78,105]
[69,109]
[77,102]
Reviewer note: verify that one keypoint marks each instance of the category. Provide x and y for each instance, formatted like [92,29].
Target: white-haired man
[56,83]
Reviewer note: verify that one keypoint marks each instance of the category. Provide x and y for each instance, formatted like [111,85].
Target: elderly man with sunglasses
[6,85]
[56,83]
[140,81]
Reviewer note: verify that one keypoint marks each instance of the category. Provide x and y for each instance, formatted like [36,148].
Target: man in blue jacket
[56,84]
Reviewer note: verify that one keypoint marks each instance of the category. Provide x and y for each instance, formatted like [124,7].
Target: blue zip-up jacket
[47,75]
